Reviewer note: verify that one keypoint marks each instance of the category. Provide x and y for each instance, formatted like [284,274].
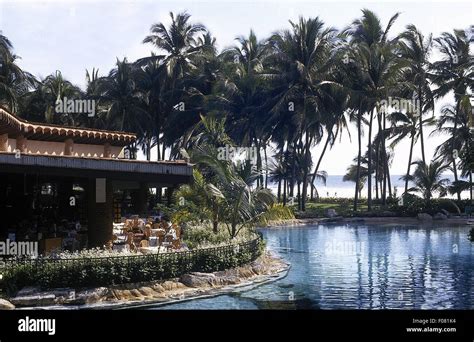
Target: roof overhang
[15,127]
[165,172]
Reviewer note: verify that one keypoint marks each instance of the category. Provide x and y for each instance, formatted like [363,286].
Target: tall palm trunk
[410,156]
[279,191]
[316,169]
[307,153]
[455,170]
[470,190]
[369,164]
[377,162]
[266,166]
[422,141]
[293,171]
[359,155]
[299,195]
[386,170]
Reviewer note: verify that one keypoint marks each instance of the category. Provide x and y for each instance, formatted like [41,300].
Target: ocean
[336,187]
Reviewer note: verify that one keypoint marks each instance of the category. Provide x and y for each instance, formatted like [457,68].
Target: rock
[169,285]
[6,305]
[64,296]
[147,291]
[439,216]
[28,291]
[197,279]
[331,213]
[229,280]
[90,296]
[136,293]
[158,288]
[34,300]
[123,295]
[245,272]
[424,217]
[258,269]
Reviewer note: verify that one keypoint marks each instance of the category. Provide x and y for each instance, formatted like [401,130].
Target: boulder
[147,291]
[169,285]
[64,296]
[229,280]
[439,216]
[136,293]
[39,299]
[6,305]
[197,279]
[158,288]
[90,296]
[331,213]
[424,217]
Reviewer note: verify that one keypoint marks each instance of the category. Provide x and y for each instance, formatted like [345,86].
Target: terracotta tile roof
[15,126]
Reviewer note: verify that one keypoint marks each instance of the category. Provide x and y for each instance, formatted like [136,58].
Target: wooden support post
[107,150]
[4,142]
[100,211]
[21,143]
[68,147]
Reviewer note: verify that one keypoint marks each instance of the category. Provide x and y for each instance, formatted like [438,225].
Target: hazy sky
[72,36]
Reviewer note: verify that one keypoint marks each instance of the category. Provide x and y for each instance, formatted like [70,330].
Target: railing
[103,271]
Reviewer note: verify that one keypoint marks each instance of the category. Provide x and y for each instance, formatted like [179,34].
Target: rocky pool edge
[265,269]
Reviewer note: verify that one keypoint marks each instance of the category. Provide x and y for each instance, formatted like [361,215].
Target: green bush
[203,236]
[94,272]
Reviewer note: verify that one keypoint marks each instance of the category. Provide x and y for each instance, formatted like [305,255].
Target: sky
[73,35]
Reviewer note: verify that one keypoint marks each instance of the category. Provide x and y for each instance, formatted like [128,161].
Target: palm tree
[181,47]
[205,195]
[178,42]
[14,82]
[454,73]
[40,104]
[335,104]
[456,125]
[240,94]
[373,56]
[428,179]
[300,66]
[357,174]
[406,125]
[125,102]
[233,199]
[415,50]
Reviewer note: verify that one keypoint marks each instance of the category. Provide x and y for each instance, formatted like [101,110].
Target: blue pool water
[362,267]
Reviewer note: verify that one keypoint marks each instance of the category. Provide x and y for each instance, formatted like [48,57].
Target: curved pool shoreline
[398,266]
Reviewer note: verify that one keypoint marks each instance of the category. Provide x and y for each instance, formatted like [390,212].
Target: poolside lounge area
[65,187]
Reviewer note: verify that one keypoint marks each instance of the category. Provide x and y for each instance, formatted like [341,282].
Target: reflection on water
[362,267]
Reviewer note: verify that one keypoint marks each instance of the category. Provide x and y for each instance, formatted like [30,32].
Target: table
[154,241]
[121,248]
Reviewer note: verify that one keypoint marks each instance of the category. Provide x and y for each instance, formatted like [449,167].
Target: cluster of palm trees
[283,95]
